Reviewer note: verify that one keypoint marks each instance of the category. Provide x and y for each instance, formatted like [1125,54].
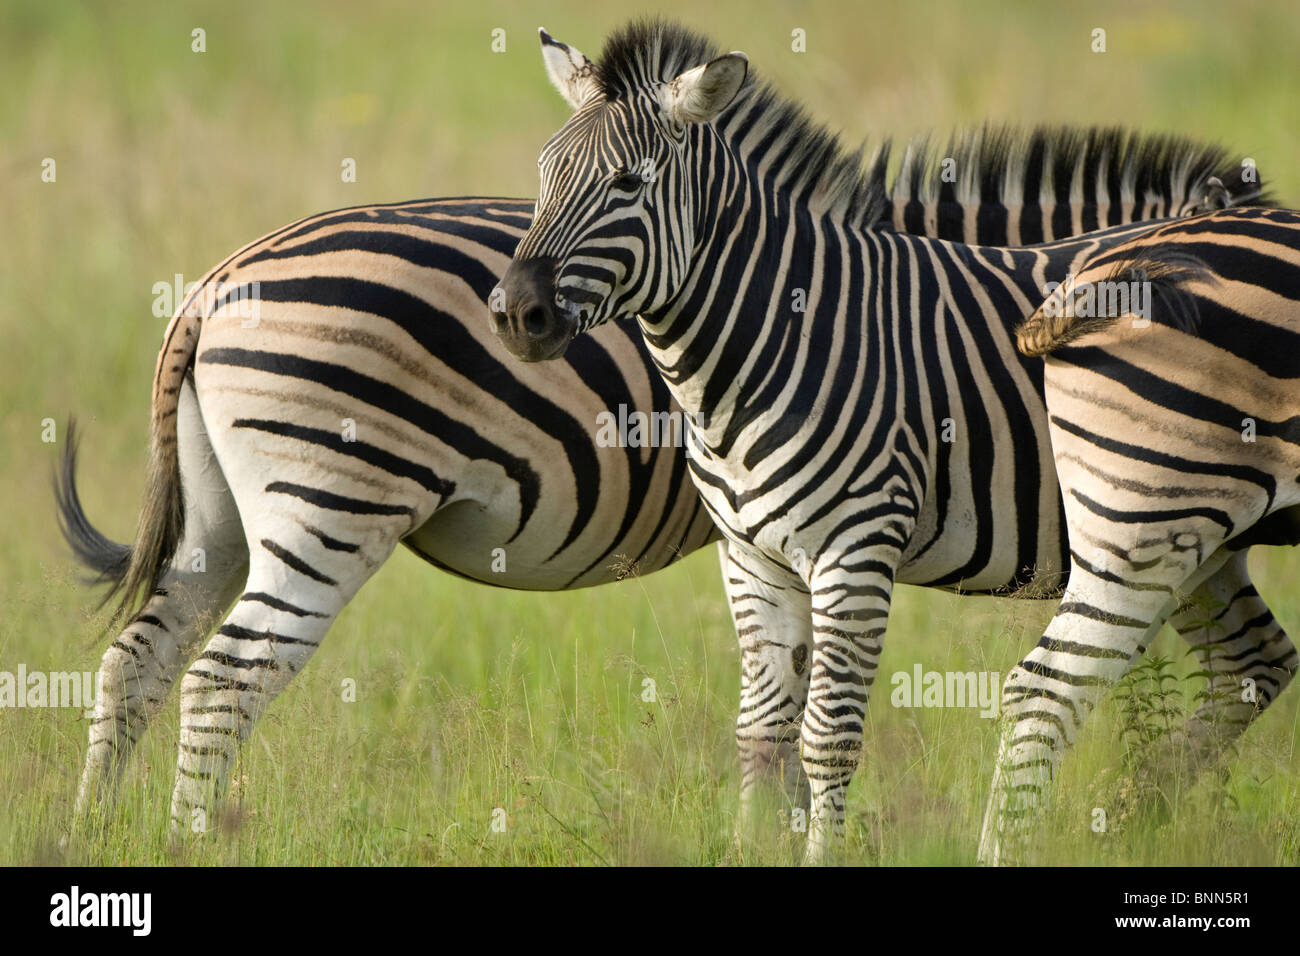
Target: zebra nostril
[536,321]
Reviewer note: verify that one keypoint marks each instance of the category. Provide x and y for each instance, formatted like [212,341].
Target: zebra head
[614,226]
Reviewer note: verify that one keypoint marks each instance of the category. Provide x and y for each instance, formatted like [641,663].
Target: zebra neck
[748,258]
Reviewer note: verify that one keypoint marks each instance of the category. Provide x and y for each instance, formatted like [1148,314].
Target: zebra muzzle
[525,314]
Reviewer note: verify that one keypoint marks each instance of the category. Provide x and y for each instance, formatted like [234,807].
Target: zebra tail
[134,571]
[1165,268]
[108,559]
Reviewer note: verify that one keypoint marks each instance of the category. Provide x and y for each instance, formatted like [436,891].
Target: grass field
[469,700]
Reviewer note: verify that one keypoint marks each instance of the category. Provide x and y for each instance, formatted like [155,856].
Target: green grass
[471,700]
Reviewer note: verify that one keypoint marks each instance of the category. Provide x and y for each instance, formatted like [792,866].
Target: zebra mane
[813,162]
[1016,168]
[1013,166]
[648,51]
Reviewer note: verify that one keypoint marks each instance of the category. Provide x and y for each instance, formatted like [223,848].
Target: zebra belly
[476,539]
[979,537]
[472,540]
[968,554]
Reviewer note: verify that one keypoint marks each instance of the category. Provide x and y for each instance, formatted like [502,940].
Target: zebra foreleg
[851,591]
[772,612]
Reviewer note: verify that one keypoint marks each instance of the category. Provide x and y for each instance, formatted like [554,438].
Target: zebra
[260,490]
[366,404]
[887,432]
[1174,428]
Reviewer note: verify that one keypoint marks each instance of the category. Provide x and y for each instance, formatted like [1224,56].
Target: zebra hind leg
[1247,660]
[1248,656]
[772,612]
[307,561]
[1113,607]
[137,671]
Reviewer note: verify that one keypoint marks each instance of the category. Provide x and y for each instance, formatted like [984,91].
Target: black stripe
[1093,613]
[1153,516]
[274,602]
[332,502]
[297,563]
[333,544]
[239,663]
[244,634]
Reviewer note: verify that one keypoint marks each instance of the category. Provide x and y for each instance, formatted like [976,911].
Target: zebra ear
[570,71]
[699,95]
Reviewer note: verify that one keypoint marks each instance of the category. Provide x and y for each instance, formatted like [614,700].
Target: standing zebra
[363,403]
[858,412]
[1176,430]
[367,403]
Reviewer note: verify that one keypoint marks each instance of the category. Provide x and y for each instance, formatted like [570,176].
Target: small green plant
[1150,708]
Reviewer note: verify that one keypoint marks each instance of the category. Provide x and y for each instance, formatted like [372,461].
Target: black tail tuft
[1169,268]
[1166,268]
[107,559]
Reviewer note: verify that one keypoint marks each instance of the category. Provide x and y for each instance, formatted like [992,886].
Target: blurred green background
[471,699]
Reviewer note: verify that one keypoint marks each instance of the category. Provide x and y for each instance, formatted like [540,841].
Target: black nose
[537,320]
[524,315]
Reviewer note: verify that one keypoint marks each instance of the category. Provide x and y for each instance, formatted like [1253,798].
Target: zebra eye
[627,181]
